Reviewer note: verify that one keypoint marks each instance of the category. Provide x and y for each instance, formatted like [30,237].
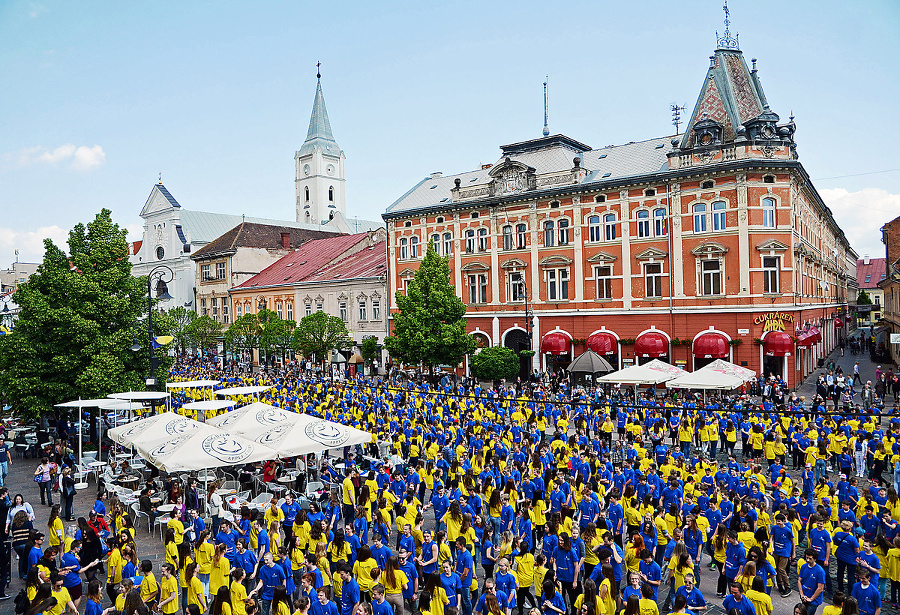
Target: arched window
[700,218]
[643,223]
[609,226]
[563,232]
[414,247]
[548,233]
[660,222]
[508,237]
[307,193]
[594,228]
[521,236]
[768,212]
[482,240]
[718,216]
[448,244]
[331,194]
[404,249]
[436,242]
[470,241]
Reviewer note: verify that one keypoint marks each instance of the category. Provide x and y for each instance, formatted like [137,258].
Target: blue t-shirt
[694,597]
[744,607]
[782,540]
[810,579]
[72,579]
[868,598]
[464,563]
[653,573]
[557,602]
[452,586]
[846,547]
[92,608]
[384,608]
[349,597]
[271,577]
[565,564]
[316,608]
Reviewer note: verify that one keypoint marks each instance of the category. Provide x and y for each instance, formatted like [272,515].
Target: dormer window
[554,204]
[408,223]
[474,215]
[600,198]
[708,185]
[768,179]
[440,219]
[649,192]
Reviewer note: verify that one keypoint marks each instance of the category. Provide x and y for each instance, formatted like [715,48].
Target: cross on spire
[726,41]
[318,70]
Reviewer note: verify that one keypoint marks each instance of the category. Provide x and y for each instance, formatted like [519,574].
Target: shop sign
[743,331]
[895,338]
[773,321]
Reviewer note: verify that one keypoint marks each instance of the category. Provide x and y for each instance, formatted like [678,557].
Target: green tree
[243,334]
[863,298]
[203,332]
[80,314]
[279,335]
[369,349]
[182,318]
[495,363]
[319,333]
[430,327]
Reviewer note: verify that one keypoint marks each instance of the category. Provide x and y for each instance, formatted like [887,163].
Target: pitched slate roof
[875,271]
[204,226]
[304,261]
[319,133]
[603,165]
[368,262]
[255,235]
[731,95]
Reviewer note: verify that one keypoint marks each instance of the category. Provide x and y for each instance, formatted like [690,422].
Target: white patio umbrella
[706,380]
[209,404]
[178,444]
[654,372]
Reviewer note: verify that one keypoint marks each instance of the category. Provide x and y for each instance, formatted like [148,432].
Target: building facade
[887,335]
[343,276]
[711,244]
[238,255]
[16,274]
[870,272]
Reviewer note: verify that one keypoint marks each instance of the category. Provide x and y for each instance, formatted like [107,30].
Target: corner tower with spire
[319,168]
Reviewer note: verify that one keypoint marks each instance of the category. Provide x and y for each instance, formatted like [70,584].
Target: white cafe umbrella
[184,445]
[706,380]
[252,390]
[253,419]
[654,372]
[209,404]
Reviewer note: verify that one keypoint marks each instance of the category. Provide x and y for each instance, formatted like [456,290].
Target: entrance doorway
[517,341]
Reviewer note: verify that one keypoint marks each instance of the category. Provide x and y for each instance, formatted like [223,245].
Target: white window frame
[563,227]
[603,276]
[279,309]
[470,241]
[609,226]
[521,236]
[719,219]
[769,205]
[362,310]
[414,247]
[237,310]
[594,233]
[516,285]
[320,306]
[558,284]
[660,222]
[289,312]
[404,249]
[448,244]
[508,237]
[225,316]
[653,281]
[482,240]
[771,274]
[549,233]
[477,288]
[436,243]
[308,308]
[376,309]
[204,273]
[699,212]
[711,282]
[643,223]
[342,311]
[220,271]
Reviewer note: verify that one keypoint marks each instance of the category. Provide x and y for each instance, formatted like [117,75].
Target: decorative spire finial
[726,41]
[546,127]
[318,70]
[160,177]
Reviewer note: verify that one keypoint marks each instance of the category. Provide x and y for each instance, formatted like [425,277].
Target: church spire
[319,133]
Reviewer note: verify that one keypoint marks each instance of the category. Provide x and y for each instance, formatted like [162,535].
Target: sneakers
[786,594]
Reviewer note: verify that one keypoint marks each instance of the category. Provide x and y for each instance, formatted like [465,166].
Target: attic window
[289,265]
[440,219]
[606,174]
[708,184]
[433,187]
[473,179]
[408,223]
[660,146]
[649,192]
[554,204]
[768,179]
[474,214]
[445,199]
[600,198]
[602,156]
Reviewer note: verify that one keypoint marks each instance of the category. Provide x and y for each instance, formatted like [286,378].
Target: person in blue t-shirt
[783,547]
[465,568]
[380,606]
[324,606]
[846,550]
[737,600]
[270,576]
[651,573]
[552,602]
[350,594]
[866,594]
[693,597]
[811,582]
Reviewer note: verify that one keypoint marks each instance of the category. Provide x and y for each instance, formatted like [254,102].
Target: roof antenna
[318,70]
[676,115]
[546,128]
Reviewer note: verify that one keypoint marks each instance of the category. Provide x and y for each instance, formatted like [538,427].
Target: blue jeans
[495,523]
[4,471]
[265,606]
[465,598]
[46,487]
[820,469]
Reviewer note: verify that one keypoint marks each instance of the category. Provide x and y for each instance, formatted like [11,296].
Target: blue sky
[99,97]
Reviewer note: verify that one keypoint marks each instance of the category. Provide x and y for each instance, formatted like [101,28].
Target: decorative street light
[161,275]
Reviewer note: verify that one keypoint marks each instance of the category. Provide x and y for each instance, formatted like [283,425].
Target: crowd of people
[571,501]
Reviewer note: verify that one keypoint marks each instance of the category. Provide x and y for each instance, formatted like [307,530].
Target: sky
[99,98]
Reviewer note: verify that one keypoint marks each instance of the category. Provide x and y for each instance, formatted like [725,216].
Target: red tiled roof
[368,262]
[305,261]
[135,247]
[876,269]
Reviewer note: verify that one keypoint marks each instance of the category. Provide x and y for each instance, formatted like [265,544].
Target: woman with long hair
[363,570]
[523,564]
[608,593]
[94,599]
[21,528]
[565,563]
[395,582]
[436,594]
[55,529]
[43,600]
[281,605]
[222,602]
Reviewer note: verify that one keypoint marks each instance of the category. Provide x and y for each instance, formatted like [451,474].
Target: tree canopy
[430,327]
[320,333]
[203,332]
[863,298]
[495,363]
[80,313]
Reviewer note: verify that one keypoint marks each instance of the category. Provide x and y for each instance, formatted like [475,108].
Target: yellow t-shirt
[168,587]
[62,599]
[648,607]
[238,597]
[114,563]
[362,572]
[178,526]
[172,554]
[397,586]
[195,593]
[148,587]
[204,554]
[55,532]
[219,575]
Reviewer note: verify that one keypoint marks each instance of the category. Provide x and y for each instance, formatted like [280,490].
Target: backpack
[21,601]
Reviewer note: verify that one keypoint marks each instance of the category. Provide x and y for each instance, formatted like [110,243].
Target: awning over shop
[603,343]
[555,343]
[711,346]
[778,344]
[651,344]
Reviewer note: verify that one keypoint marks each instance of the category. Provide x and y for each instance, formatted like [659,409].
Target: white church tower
[319,169]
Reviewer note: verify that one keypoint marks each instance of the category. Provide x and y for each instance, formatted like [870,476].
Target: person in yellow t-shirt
[149,586]
[168,591]
[176,525]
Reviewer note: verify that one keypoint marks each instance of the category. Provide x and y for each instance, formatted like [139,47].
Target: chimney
[285,240]
[866,259]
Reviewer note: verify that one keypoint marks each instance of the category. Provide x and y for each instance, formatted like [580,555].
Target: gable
[160,200]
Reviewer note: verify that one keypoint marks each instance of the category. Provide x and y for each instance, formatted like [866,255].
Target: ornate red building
[709,244]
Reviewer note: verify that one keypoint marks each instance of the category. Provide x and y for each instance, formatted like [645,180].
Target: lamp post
[261,304]
[162,275]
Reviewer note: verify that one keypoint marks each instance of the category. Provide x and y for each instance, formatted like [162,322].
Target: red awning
[814,332]
[555,343]
[603,343]
[778,344]
[651,344]
[711,346]
[838,323]
[805,339]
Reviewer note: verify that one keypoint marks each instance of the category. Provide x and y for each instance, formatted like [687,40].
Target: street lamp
[161,275]
[260,307]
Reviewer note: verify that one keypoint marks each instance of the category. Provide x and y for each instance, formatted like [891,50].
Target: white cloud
[80,158]
[861,214]
[30,244]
